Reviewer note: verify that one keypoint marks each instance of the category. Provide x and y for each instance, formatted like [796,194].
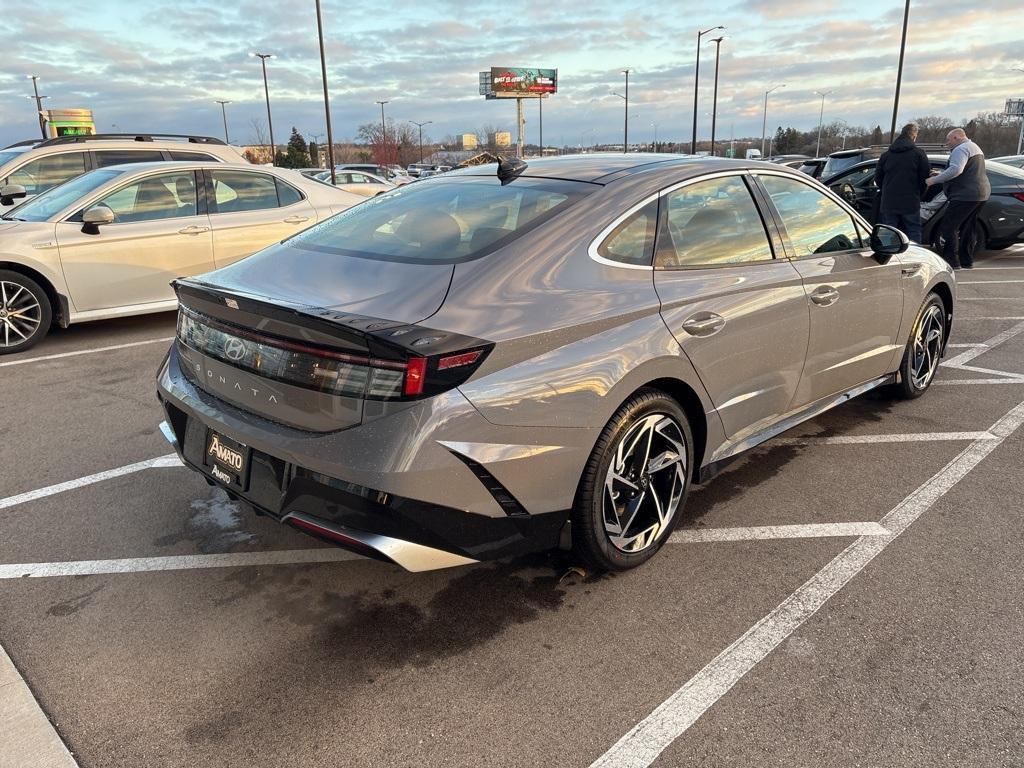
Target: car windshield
[836,164]
[53,201]
[443,221]
[7,155]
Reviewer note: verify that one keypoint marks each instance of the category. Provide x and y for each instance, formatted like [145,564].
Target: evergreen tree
[314,155]
[876,135]
[297,155]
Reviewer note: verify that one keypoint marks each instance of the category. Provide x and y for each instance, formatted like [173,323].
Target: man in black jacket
[901,175]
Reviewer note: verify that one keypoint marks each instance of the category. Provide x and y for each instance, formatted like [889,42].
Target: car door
[251,210]
[160,232]
[737,308]
[855,300]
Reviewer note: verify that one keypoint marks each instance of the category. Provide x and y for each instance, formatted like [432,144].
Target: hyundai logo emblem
[235,349]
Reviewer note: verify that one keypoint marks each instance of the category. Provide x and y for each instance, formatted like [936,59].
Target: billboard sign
[1015,107]
[512,80]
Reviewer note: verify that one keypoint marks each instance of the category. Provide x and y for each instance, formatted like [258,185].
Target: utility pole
[420,126]
[327,103]
[540,108]
[39,104]
[714,103]
[696,83]
[224,114]
[266,92]
[899,72]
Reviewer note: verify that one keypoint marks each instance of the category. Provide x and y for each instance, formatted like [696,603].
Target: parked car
[1017,161]
[1000,221]
[491,363]
[812,166]
[377,170]
[787,159]
[108,242]
[357,182]
[838,162]
[39,165]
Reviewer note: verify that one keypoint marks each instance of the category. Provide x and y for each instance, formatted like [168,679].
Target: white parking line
[995,341]
[764,532]
[85,351]
[987,282]
[169,460]
[176,563]
[960,382]
[965,346]
[914,437]
[652,735]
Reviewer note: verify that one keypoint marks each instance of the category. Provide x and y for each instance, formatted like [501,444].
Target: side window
[167,196]
[864,178]
[237,191]
[47,172]
[632,242]
[287,194]
[105,157]
[711,223]
[814,223]
[192,157]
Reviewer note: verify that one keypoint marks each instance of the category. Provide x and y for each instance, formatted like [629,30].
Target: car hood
[401,292]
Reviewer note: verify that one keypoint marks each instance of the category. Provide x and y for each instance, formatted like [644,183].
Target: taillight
[1018,195]
[381,375]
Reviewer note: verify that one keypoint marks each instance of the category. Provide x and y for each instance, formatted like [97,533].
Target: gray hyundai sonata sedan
[525,356]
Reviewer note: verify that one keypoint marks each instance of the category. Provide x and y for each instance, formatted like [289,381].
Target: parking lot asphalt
[160,625]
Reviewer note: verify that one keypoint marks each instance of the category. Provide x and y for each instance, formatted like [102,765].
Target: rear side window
[237,191]
[105,157]
[192,157]
[711,223]
[287,194]
[632,242]
[47,172]
[443,221]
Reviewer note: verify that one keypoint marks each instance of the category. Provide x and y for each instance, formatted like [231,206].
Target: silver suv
[30,167]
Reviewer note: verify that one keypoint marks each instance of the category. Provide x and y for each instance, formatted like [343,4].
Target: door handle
[704,324]
[296,219]
[193,230]
[825,295]
[910,270]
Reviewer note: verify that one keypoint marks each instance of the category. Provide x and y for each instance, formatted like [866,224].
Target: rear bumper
[390,490]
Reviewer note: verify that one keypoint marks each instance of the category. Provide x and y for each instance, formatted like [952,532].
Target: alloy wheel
[20,314]
[927,347]
[645,483]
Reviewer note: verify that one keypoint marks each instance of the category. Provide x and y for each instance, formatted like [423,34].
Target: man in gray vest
[967,188]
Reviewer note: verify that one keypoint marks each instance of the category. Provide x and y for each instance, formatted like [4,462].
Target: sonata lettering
[220,379]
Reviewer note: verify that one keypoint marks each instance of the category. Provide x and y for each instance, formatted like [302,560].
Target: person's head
[954,137]
[910,131]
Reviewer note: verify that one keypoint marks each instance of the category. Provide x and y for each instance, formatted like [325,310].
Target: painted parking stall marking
[651,736]
[77,353]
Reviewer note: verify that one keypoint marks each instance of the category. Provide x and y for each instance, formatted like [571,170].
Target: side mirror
[888,241]
[12,192]
[96,217]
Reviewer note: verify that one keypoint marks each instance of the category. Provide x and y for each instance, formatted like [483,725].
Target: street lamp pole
[655,145]
[420,126]
[696,83]
[266,92]
[327,103]
[764,122]
[821,116]
[1020,136]
[540,122]
[39,104]
[224,114]
[714,103]
[383,134]
[899,72]
[625,125]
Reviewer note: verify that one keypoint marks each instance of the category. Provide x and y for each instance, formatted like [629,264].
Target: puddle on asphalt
[215,524]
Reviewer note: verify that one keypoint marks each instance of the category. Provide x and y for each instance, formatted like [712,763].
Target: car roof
[604,167]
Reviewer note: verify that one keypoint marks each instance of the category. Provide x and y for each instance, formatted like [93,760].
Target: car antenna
[510,168]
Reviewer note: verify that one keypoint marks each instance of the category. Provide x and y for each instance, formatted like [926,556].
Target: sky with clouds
[158,65]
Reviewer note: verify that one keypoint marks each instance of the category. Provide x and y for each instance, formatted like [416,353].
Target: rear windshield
[56,199]
[836,164]
[442,221]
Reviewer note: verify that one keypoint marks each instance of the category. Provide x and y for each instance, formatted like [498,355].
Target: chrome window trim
[603,235]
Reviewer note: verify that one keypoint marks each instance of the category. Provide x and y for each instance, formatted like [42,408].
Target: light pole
[224,114]
[821,116]
[327,102]
[714,102]
[899,72]
[39,103]
[266,92]
[764,123]
[420,126]
[540,121]
[625,124]
[655,144]
[1020,136]
[696,83]
[383,136]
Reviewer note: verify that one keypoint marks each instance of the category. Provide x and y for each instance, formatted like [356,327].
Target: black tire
[909,385]
[25,312]
[592,541]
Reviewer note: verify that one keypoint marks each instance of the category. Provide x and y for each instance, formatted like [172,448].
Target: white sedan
[108,242]
[357,182]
